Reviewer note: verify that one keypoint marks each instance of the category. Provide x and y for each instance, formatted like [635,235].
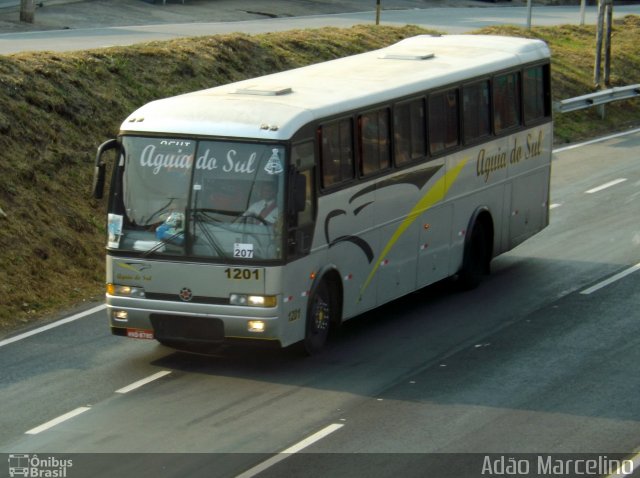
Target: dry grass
[56,108]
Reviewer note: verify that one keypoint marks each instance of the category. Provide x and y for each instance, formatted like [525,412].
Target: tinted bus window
[336,152]
[375,152]
[443,121]
[506,101]
[476,112]
[409,131]
[535,89]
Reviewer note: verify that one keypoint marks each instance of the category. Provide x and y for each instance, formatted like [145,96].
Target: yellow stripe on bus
[434,195]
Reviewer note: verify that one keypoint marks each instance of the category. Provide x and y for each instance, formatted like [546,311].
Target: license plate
[140,334]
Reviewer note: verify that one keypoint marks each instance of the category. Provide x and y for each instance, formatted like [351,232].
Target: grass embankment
[56,108]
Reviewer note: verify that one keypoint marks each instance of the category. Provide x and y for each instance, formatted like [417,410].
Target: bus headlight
[121,315]
[253,300]
[125,290]
[256,326]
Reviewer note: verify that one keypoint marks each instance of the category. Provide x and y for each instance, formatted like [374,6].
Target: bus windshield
[196,198]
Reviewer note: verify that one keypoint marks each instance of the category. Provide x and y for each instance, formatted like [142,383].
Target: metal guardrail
[597,98]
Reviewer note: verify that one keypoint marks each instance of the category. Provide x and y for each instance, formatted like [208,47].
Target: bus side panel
[489,199]
[346,226]
[529,170]
[528,206]
[398,233]
[509,177]
[479,184]
[297,280]
[434,244]
[504,232]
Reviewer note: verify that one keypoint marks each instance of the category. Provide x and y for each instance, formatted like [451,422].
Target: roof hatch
[406,55]
[264,90]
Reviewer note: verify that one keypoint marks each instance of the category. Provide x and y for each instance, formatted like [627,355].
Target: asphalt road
[541,358]
[445,20]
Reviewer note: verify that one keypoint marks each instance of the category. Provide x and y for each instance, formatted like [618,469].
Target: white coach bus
[275,208]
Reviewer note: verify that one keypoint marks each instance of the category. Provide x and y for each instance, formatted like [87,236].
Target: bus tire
[475,263]
[319,317]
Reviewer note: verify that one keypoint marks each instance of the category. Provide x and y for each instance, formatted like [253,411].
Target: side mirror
[98,181]
[100,168]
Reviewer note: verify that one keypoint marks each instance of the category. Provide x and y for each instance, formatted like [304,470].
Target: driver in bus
[265,208]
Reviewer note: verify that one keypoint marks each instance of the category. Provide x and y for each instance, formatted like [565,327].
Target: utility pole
[529,14]
[605,9]
[378,12]
[583,4]
[599,26]
[27,10]
[607,43]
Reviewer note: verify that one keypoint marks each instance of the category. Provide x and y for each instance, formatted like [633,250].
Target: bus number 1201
[245,274]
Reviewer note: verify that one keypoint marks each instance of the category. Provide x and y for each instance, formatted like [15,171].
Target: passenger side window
[336,152]
[476,112]
[506,101]
[375,151]
[409,132]
[536,93]
[443,121]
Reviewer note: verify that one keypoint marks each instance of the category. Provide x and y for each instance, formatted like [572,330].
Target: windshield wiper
[224,212]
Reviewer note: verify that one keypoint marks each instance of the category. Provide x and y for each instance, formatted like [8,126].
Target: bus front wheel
[319,318]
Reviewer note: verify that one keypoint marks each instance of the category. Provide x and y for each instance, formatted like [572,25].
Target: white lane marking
[144,381]
[611,279]
[52,325]
[259,468]
[606,185]
[623,471]
[597,140]
[56,421]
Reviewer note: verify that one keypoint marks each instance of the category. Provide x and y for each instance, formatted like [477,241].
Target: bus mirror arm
[100,167]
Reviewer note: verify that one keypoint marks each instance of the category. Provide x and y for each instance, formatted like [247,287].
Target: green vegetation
[56,108]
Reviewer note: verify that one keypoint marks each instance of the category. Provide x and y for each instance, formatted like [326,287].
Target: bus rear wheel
[475,264]
[319,317]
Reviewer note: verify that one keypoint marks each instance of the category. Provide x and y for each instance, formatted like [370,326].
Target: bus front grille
[204,329]
[194,300]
